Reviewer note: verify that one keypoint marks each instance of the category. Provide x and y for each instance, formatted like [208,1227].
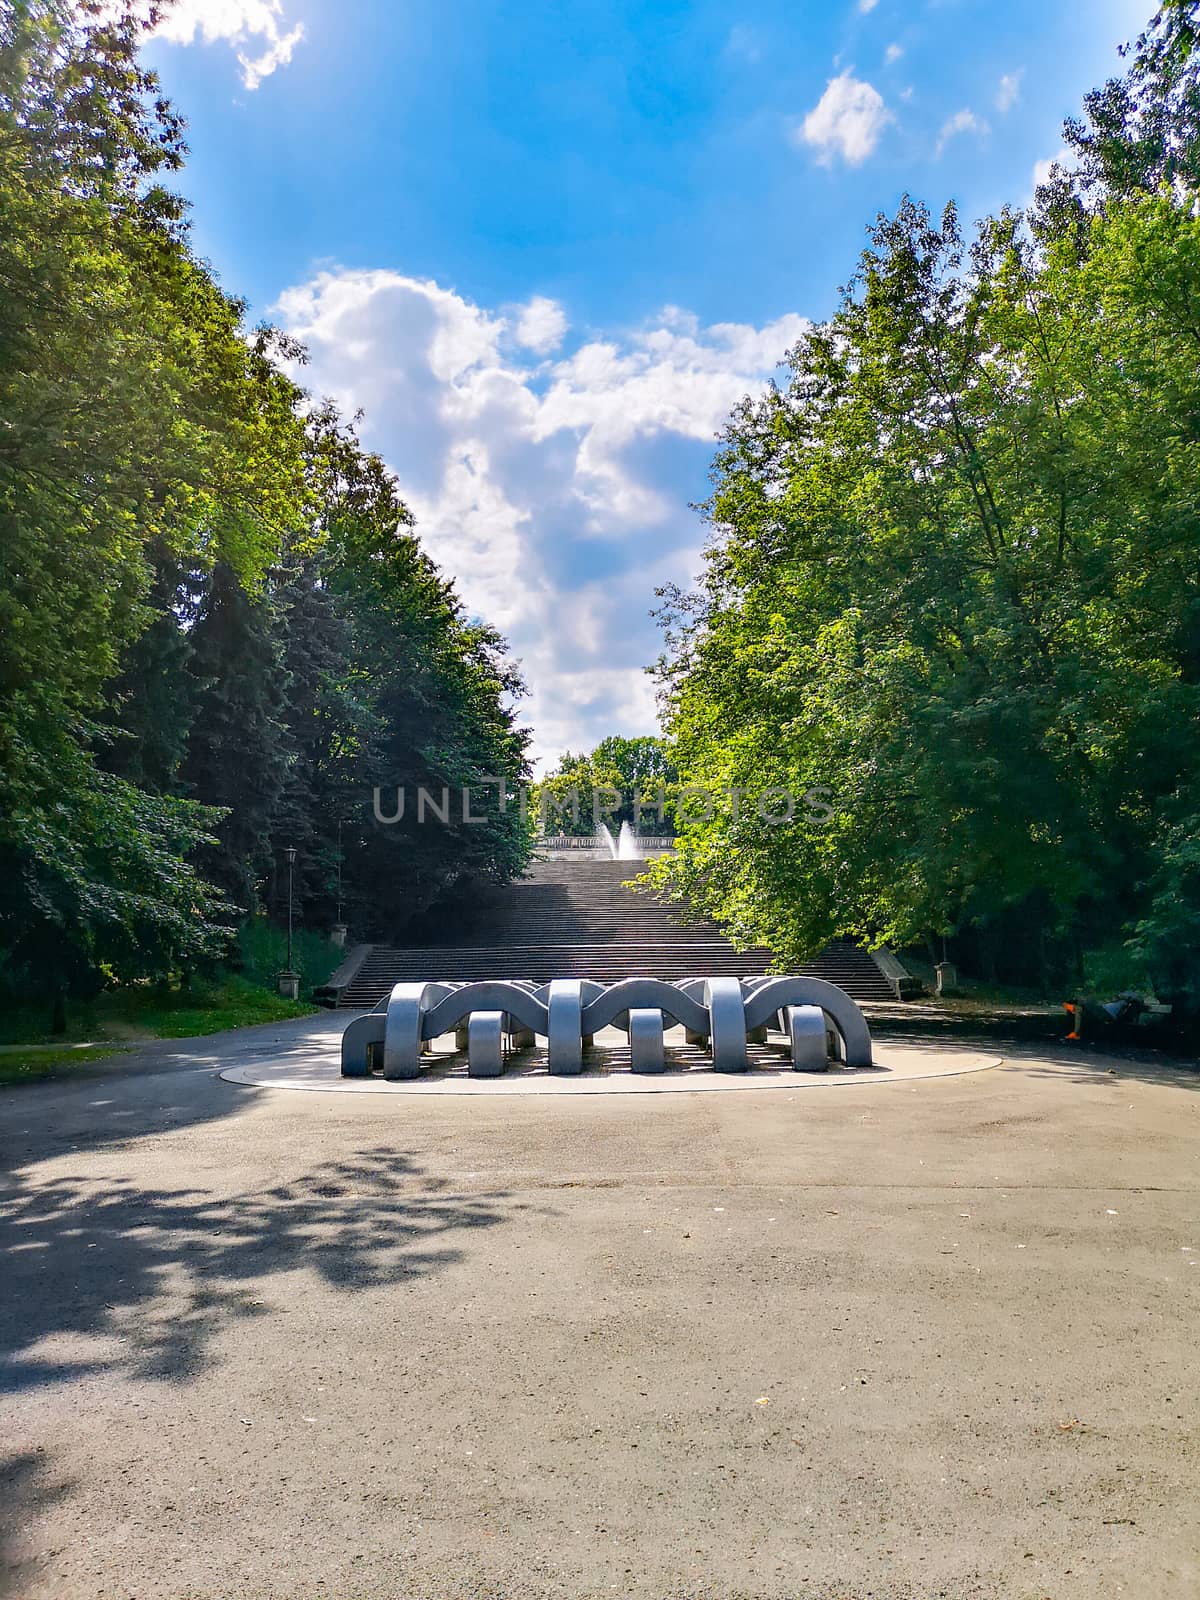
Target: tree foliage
[436,690]
[621,780]
[954,580]
[186,541]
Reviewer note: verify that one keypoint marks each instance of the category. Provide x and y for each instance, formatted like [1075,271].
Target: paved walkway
[932,1338]
[317,1067]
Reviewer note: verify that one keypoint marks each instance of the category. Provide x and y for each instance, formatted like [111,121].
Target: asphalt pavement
[919,1339]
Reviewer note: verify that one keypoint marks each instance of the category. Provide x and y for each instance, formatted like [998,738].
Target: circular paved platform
[607,1072]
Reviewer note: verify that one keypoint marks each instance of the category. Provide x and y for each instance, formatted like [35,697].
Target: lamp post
[289,981]
[290,853]
[339,927]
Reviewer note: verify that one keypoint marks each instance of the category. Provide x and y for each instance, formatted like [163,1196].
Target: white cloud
[254,70]
[964,121]
[541,325]
[556,498]
[893,53]
[239,22]
[847,120]
[867,5]
[1009,91]
[1044,170]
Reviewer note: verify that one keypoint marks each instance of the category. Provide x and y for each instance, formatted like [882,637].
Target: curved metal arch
[567,1012]
[488,994]
[778,993]
[357,1038]
[403,1032]
[749,986]
[644,994]
[694,989]
[726,1024]
[564,1028]
[485,1044]
[589,990]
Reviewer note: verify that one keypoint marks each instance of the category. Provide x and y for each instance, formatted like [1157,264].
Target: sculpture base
[608,1071]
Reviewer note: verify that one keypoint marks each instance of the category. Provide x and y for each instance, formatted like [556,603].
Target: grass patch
[30,1066]
[970,992]
[155,1011]
[236,997]
[232,1003]
[262,952]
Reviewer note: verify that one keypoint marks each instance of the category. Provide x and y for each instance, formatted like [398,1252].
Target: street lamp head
[290,853]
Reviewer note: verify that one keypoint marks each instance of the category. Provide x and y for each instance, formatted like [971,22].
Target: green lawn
[140,1011]
[233,1003]
[28,1066]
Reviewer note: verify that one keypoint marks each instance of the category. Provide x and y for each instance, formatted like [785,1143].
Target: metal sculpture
[819,1021]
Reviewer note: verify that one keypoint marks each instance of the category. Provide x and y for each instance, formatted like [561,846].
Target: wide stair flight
[574,918]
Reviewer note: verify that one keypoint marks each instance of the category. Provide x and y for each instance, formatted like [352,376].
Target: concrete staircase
[573,918]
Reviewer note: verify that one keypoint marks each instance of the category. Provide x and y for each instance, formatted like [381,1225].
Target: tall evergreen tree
[137,412]
[152,696]
[237,748]
[325,780]
[441,691]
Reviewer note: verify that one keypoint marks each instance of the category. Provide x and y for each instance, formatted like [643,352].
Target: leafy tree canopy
[633,781]
[954,579]
[216,623]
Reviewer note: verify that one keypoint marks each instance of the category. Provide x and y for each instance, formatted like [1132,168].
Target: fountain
[625,847]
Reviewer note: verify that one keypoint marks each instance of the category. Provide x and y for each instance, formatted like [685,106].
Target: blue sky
[546,247]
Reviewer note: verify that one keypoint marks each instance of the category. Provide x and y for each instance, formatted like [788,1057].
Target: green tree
[152,697]
[326,723]
[952,589]
[237,752]
[1139,132]
[138,418]
[438,694]
[624,780]
[151,444]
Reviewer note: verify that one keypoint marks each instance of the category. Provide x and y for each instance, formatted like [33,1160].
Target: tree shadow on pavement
[104,1276]
[1085,1063]
[28,1482]
[158,1087]
[112,1277]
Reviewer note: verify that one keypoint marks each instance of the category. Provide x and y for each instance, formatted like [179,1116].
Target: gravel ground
[900,1341]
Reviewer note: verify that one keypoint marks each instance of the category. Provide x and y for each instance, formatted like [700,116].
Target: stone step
[383,968]
[574,918]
